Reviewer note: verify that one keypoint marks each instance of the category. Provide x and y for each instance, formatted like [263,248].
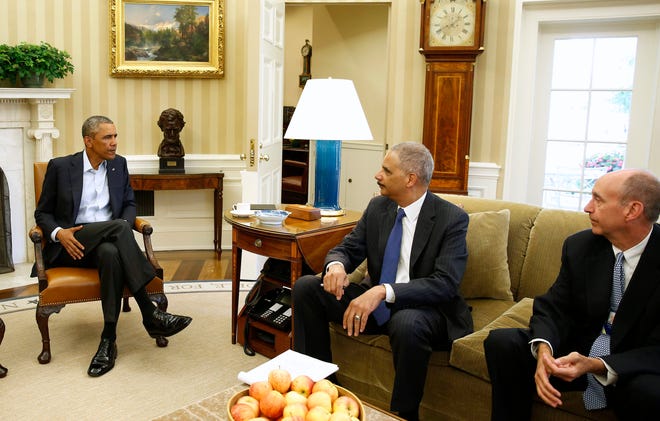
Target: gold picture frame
[146,39]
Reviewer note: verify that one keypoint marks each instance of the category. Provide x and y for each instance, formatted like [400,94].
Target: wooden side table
[293,241]
[188,181]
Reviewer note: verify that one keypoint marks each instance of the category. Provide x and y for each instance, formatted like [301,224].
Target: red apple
[294,397]
[280,380]
[338,416]
[242,412]
[295,410]
[318,413]
[259,389]
[346,404]
[272,405]
[249,400]
[302,384]
[326,386]
[320,398]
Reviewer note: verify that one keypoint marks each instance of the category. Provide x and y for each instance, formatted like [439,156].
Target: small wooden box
[308,213]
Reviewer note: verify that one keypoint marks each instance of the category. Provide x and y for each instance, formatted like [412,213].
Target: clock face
[452,23]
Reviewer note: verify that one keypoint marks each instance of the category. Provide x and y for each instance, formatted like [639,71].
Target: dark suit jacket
[571,314]
[62,191]
[437,258]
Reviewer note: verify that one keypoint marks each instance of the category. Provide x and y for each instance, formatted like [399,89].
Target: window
[588,116]
[585,98]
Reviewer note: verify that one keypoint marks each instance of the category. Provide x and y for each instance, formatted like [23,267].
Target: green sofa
[514,255]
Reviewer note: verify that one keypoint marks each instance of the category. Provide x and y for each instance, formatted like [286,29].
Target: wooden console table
[292,241]
[188,181]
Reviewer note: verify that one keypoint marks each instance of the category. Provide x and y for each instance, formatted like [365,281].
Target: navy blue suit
[58,207]
[428,312]
[571,315]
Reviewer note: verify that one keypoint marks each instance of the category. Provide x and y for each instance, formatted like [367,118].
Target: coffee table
[215,407]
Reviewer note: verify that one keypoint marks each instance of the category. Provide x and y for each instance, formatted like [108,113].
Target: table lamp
[328,111]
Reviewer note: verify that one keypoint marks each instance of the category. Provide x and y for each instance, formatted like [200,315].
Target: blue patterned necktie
[390,264]
[594,395]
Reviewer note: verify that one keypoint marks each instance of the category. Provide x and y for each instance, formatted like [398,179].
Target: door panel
[262,182]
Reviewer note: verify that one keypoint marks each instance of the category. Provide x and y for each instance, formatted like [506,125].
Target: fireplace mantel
[27,130]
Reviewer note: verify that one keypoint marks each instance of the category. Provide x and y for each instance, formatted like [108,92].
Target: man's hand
[574,365]
[335,280]
[546,367]
[66,237]
[362,307]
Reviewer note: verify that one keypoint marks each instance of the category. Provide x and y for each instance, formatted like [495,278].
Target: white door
[262,181]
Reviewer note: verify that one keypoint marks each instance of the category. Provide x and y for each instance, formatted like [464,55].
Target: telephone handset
[273,308]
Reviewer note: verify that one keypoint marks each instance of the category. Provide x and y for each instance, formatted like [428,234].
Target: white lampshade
[329,109]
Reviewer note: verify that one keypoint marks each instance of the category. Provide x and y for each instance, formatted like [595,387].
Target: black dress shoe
[166,324]
[104,360]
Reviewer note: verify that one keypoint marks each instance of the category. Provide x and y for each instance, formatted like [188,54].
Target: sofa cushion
[487,271]
[467,353]
[485,310]
[543,259]
[521,222]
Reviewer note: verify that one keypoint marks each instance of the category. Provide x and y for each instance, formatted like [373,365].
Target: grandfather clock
[452,34]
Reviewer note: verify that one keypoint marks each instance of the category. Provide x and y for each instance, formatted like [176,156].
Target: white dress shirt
[409,223]
[95,199]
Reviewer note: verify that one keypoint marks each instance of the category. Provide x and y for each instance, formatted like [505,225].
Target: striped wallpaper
[214,109]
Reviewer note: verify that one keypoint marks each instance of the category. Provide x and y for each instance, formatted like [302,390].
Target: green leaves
[26,59]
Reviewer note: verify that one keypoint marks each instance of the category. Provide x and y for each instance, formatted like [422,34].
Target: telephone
[273,308]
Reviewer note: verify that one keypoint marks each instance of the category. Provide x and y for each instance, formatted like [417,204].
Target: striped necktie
[594,395]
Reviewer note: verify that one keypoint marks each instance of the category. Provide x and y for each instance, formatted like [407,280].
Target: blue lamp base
[328,170]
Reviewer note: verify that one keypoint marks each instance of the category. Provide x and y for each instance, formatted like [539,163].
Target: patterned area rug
[172,287]
[146,382]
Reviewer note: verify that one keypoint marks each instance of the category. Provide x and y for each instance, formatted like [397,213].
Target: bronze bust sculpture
[171,123]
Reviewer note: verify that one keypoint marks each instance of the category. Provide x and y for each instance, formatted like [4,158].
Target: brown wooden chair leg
[3,370]
[43,313]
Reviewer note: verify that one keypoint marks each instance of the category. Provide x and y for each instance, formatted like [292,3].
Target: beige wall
[348,42]
[214,109]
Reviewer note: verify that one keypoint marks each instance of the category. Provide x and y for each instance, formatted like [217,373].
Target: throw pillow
[487,271]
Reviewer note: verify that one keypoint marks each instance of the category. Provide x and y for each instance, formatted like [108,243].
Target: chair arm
[37,236]
[144,227]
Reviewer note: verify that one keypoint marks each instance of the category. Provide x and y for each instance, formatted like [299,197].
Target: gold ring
[357,317]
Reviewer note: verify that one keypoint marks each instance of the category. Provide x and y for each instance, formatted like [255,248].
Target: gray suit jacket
[437,259]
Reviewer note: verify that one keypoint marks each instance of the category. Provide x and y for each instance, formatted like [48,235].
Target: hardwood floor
[177,266]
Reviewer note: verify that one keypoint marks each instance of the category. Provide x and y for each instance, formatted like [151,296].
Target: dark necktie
[390,264]
[594,395]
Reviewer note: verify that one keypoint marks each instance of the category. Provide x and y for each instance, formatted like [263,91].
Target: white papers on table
[295,363]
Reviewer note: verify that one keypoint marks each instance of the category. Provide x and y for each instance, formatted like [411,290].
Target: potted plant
[34,63]
[7,68]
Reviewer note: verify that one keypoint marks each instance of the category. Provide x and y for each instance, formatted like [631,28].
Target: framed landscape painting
[167,38]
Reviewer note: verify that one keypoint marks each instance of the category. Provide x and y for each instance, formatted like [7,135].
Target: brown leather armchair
[65,285]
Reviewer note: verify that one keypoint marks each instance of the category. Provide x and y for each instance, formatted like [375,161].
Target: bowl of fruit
[298,398]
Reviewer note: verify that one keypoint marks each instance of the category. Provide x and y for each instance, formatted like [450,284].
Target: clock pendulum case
[451,38]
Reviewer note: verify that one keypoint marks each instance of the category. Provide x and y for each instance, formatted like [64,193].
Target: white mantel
[27,131]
